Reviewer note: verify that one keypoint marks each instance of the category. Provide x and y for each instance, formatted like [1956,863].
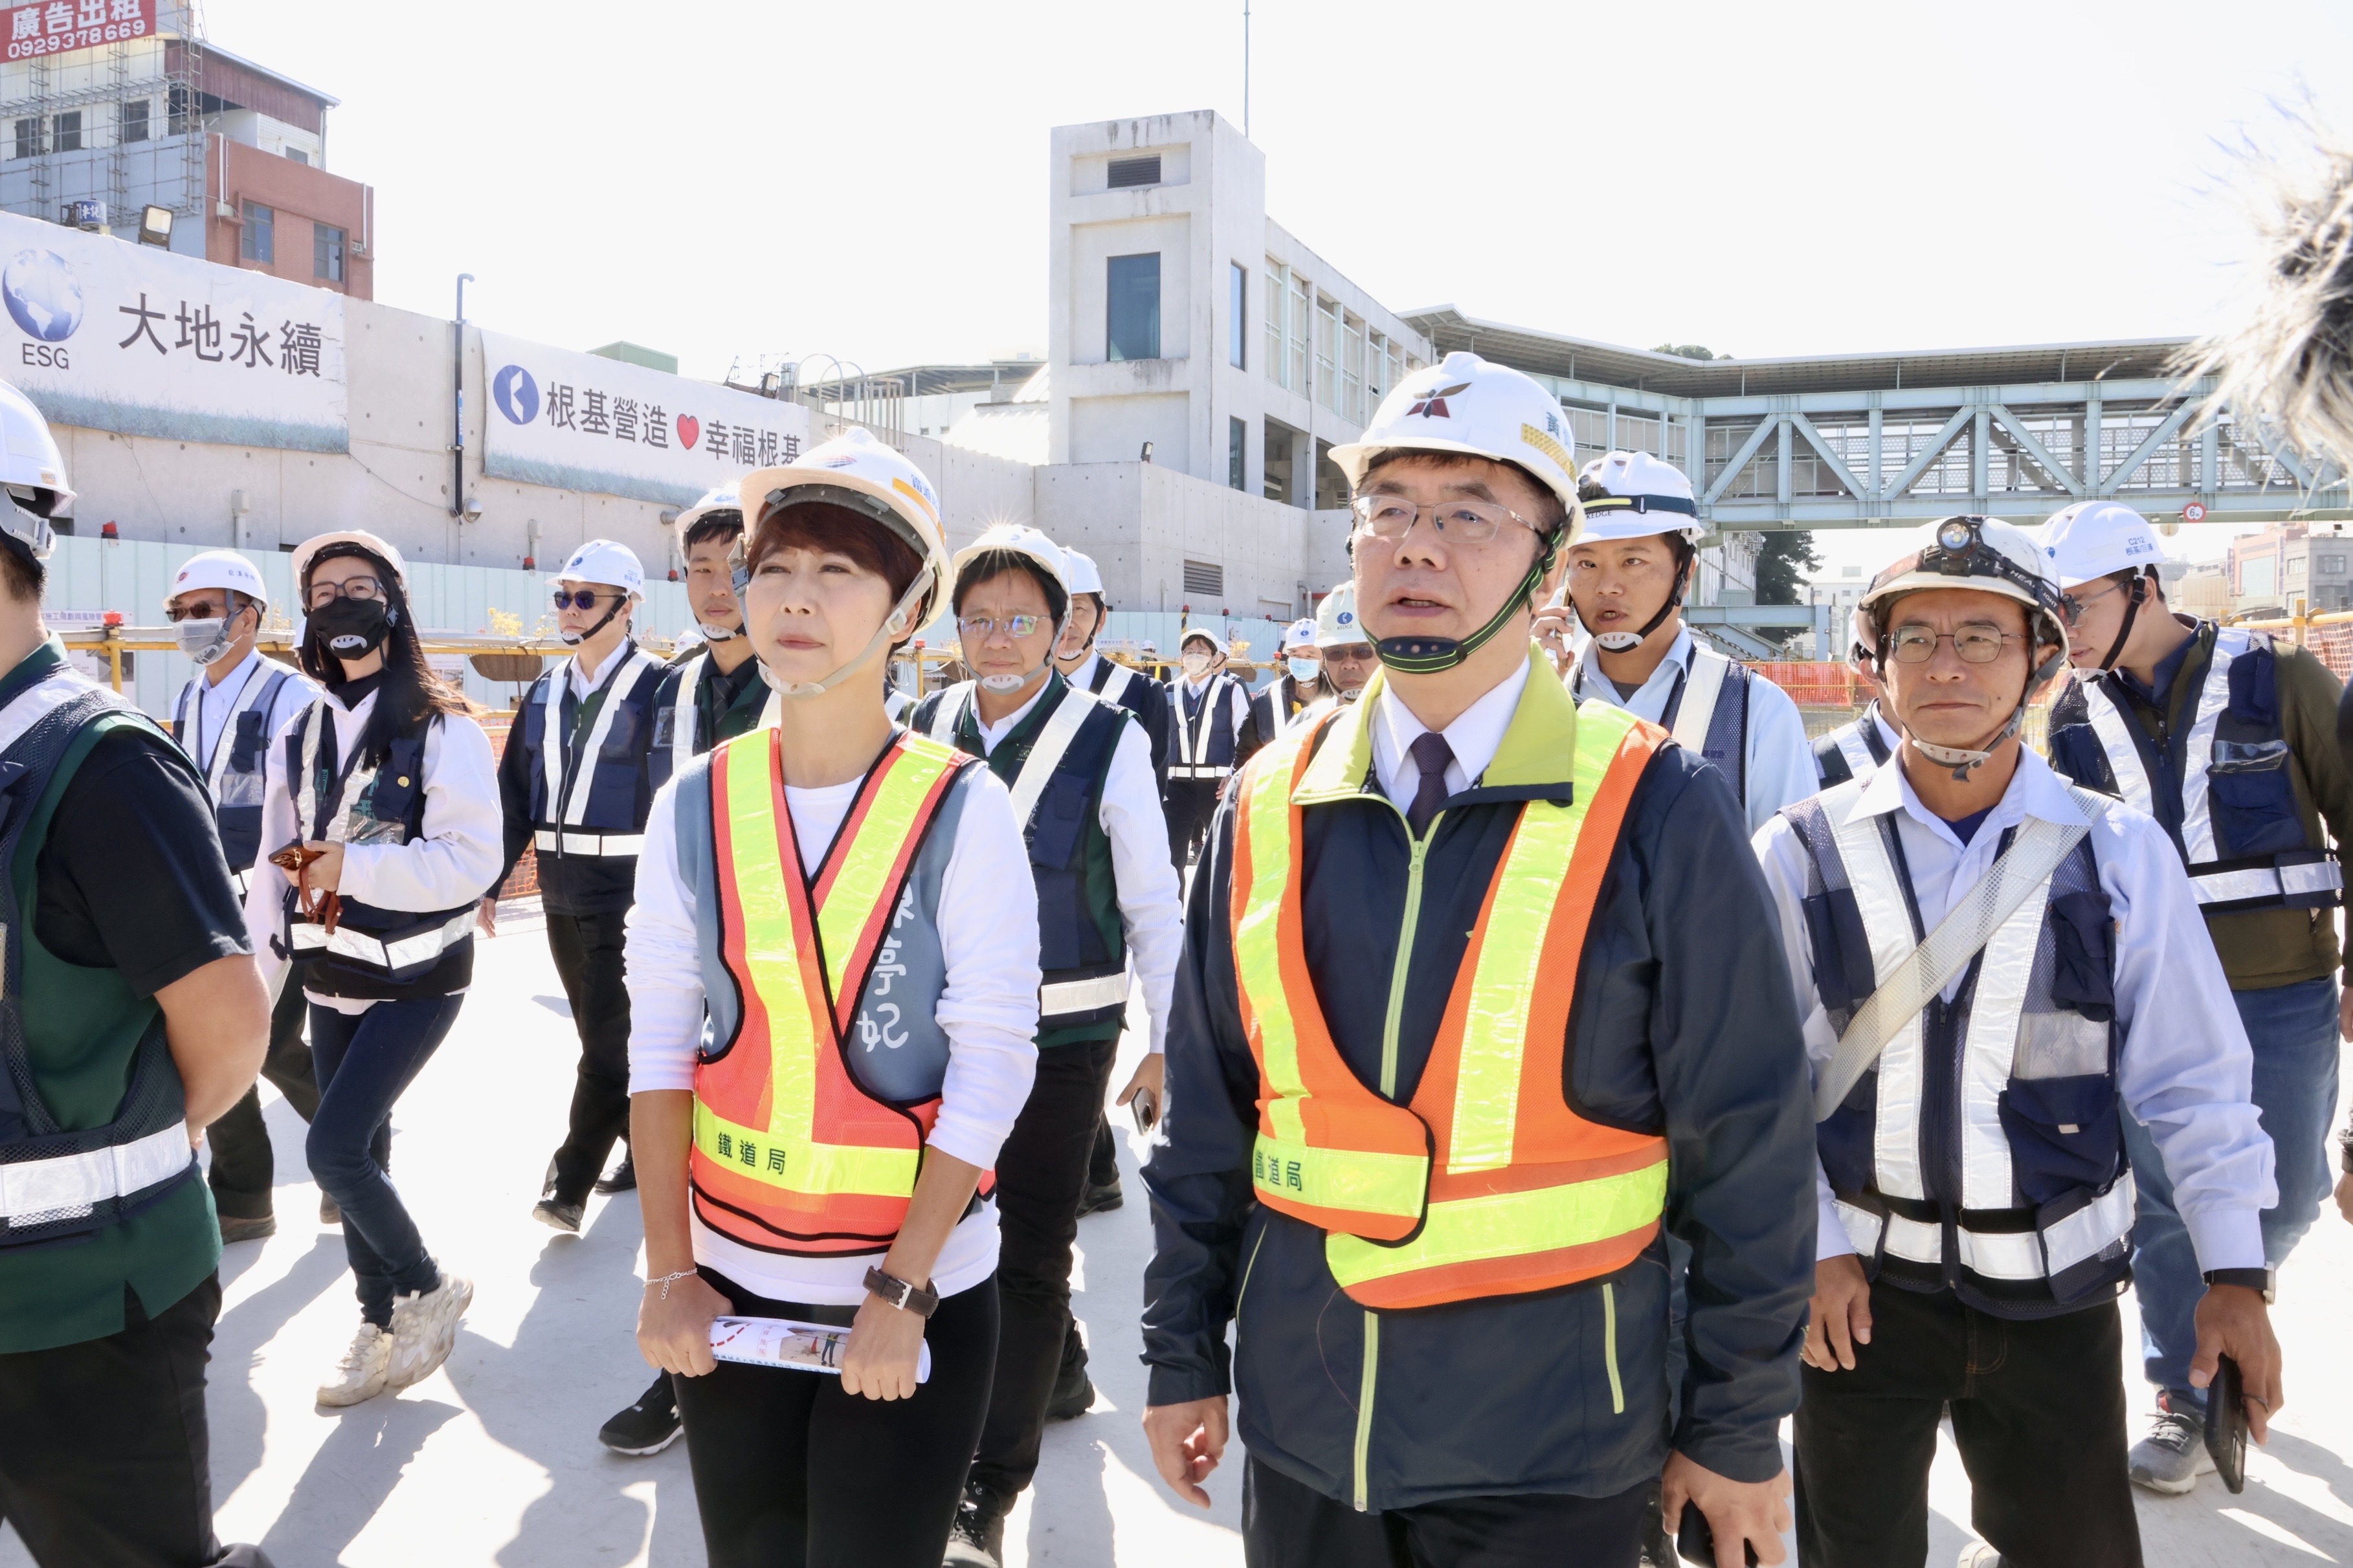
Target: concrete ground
[494,1459]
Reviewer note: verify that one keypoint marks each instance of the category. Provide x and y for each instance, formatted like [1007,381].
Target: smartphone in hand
[1696,1541]
[2226,1424]
[1145,1109]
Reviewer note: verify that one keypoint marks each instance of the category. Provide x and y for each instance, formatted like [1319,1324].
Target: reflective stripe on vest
[1196,736]
[947,710]
[617,684]
[682,713]
[1489,1181]
[790,1154]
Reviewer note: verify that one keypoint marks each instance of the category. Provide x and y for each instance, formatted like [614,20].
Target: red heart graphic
[689,428]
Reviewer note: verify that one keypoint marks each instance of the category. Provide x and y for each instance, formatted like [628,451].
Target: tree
[1688,351]
[1781,566]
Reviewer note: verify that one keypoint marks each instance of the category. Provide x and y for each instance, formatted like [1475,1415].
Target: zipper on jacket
[1246,1271]
[1415,850]
[1609,1347]
[1364,1407]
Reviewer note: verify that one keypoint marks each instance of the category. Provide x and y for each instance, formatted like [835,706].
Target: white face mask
[1305,670]
[1196,665]
[204,641]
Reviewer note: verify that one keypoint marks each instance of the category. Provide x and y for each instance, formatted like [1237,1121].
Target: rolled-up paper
[803,1347]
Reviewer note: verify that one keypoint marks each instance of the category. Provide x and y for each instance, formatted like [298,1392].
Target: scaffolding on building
[74,124]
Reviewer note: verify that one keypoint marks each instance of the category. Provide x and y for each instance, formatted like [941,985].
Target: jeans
[588,961]
[2038,1413]
[2293,1029]
[366,1060]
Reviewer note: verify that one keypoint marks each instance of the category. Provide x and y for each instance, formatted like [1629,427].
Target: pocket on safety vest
[2254,808]
[2066,1134]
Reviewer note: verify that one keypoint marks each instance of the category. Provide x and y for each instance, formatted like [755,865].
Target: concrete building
[2272,571]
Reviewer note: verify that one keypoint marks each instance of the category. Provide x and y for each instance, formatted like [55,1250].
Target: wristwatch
[907,1298]
[2260,1280]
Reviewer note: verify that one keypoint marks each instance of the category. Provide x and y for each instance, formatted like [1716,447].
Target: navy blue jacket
[1683,1022]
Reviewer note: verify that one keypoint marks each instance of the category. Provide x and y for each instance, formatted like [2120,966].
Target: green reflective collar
[1537,755]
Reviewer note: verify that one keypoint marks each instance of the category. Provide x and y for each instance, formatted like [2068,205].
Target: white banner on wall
[578,422]
[113,335]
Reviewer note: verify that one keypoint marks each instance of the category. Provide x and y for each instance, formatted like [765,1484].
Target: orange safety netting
[1815,684]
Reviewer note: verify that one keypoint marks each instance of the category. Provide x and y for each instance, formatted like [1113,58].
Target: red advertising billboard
[53,27]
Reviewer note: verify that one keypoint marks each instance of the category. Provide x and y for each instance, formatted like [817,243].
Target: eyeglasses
[584,599]
[2072,605]
[1975,644]
[1349,652]
[202,610]
[362,588]
[978,629]
[1462,521]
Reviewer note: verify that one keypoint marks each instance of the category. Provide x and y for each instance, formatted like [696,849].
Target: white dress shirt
[217,700]
[1781,757]
[2185,1071]
[989,1010]
[1474,737]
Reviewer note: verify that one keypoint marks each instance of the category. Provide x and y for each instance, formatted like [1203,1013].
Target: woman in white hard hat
[851,902]
[1210,736]
[1300,684]
[381,811]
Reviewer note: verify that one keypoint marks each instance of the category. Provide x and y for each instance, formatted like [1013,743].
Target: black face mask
[349,628]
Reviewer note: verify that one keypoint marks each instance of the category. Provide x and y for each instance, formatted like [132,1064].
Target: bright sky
[733,179]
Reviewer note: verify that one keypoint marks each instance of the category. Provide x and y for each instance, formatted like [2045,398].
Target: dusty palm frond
[2289,360]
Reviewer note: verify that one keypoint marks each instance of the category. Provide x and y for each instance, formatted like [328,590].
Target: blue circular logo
[42,294]
[514,391]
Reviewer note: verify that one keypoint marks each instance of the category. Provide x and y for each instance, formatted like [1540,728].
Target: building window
[1126,172]
[70,132]
[1294,333]
[327,253]
[134,121]
[1204,577]
[260,240]
[29,138]
[2332,565]
[175,103]
[297,155]
[1237,343]
[1327,354]
[1277,284]
[1133,307]
[1236,433]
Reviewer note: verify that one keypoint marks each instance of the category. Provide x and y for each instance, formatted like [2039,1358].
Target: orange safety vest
[1489,1183]
[790,1154]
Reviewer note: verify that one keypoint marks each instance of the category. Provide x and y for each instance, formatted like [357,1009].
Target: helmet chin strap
[2133,599]
[893,625]
[1428,656]
[717,634]
[1620,642]
[573,639]
[1964,760]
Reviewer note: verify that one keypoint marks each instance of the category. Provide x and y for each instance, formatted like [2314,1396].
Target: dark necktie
[1430,754]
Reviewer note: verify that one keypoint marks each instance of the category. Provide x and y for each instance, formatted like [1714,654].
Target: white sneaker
[425,1329]
[360,1373]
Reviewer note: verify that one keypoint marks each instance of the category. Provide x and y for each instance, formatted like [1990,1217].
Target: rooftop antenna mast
[1245,70]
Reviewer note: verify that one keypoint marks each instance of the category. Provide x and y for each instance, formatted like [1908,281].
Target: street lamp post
[458,442]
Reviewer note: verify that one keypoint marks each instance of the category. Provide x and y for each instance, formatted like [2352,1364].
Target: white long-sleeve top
[454,863]
[1780,758]
[988,1009]
[2184,1072]
[1132,817]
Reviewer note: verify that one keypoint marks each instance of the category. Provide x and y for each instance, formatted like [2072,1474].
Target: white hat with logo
[1336,618]
[1633,495]
[857,471]
[218,569]
[604,561]
[722,505]
[1466,405]
[1017,538]
[2093,537]
[1299,634]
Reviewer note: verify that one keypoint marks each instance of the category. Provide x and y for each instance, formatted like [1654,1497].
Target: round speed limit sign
[2194,512]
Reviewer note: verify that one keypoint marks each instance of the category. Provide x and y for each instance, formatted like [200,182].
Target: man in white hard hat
[1479,993]
[1348,658]
[577,780]
[225,719]
[2228,741]
[143,1020]
[1081,774]
[1210,736]
[1085,666]
[713,689]
[1627,574]
[1864,743]
[1300,684]
[1972,1086]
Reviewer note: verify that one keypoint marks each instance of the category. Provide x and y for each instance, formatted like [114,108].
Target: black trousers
[243,1170]
[1189,803]
[2039,1412]
[105,1457]
[1287,1524]
[788,1470]
[1103,1163]
[1041,1173]
[587,950]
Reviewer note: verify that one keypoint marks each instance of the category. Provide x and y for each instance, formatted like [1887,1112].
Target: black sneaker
[648,1427]
[624,1178]
[234,1229]
[1074,1393]
[561,1216]
[976,1539]
[1097,1199]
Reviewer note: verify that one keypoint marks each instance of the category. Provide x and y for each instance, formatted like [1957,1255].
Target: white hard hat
[308,550]
[1859,648]
[857,471]
[1204,634]
[218,569]
[1021,540]
[1632,495]
[1464,405]
[1300,633]
[717,504]
[2093,538]
[1085,578]
[1336,618]
[603,561]
[34,472]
